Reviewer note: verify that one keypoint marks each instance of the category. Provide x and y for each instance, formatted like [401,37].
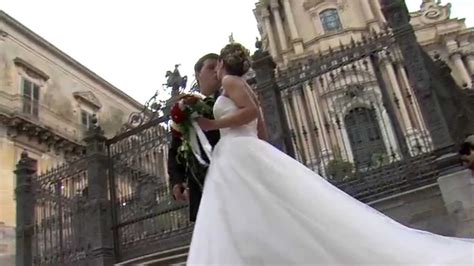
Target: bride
[261,207]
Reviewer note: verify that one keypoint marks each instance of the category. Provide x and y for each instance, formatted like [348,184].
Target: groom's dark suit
[178,172]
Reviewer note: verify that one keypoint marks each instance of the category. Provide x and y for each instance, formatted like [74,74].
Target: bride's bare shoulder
[231,83]
[230,80]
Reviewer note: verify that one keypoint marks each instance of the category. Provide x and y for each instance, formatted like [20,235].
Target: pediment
[88,98]
[309,4]
[30,69]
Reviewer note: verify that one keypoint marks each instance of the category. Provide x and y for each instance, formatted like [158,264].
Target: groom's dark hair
[200,63]
[466,148]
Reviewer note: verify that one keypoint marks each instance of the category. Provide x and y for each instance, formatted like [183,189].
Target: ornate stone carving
[432,14]
[20,126]
[432,11]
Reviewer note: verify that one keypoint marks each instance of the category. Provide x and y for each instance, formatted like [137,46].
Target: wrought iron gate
[340,113]
[146,219]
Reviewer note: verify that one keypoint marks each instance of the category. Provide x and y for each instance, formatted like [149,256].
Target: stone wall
[421,209]
[458,195]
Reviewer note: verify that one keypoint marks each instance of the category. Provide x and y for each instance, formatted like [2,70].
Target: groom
[182,180]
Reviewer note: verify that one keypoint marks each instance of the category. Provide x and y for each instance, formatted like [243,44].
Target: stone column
[25,210]
[416,108]
[275,7]
[269,30]
[298,125]
[389,108]
[421,136]
[457,190]
[295,37]
[290,19]
[388,131]
[289,114]
[369,15]
[397,91]
[470,62]
[322,136]
[309,145]
[378,8]
[457,61]
[271,102]
[99,232]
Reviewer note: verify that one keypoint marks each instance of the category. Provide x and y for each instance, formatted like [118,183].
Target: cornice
[35,38]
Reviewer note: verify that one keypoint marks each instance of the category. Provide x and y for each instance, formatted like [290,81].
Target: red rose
[177,115]
[176,133]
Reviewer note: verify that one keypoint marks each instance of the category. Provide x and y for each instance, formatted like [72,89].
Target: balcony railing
[60,122]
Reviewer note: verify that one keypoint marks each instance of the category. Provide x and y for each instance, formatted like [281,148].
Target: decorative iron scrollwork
[155,108]
[147,193]
[152,109]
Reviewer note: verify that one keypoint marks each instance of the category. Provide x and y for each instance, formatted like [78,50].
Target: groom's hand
[206,124]
[180,192]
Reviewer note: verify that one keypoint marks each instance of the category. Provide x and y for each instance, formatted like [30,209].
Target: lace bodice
[225,106]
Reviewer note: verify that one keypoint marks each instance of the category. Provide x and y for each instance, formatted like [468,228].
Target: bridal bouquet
[183,115]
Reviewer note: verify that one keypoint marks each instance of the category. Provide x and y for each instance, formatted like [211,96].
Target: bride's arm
[247,112]
[262,128]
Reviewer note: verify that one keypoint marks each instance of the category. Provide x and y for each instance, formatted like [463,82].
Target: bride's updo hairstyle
[236,59]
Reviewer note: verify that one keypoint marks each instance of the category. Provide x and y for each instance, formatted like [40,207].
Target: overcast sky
[132,44]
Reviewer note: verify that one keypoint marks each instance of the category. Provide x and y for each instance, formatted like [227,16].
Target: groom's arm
[176,170]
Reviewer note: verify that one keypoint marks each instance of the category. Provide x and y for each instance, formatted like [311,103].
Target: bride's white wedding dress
[261,207]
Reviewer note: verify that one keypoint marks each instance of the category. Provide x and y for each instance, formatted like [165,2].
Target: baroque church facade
[325,122]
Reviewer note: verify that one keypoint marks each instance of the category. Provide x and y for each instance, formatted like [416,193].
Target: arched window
[330,20]
[364,136]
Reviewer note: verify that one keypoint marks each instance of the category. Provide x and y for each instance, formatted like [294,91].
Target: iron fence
[59,214]
[144,209]
[352,113]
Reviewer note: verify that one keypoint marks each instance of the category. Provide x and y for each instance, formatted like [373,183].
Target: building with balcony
[47,101]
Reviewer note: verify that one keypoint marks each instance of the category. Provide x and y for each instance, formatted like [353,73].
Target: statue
[175,81]
[260,52]
[231,38]
[258,44]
